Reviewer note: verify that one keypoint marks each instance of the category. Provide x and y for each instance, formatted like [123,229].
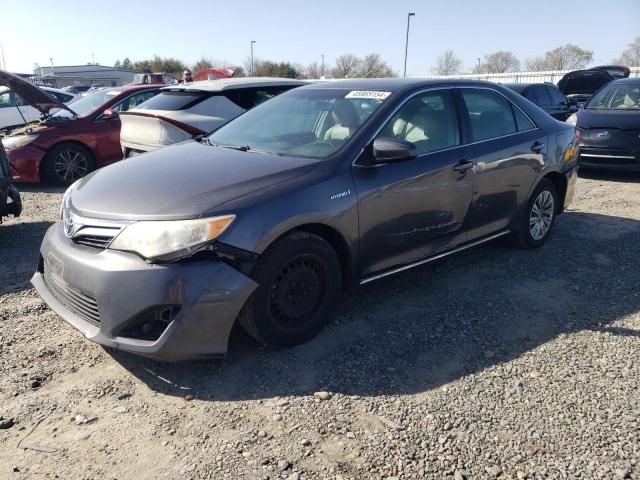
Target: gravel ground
[496,363]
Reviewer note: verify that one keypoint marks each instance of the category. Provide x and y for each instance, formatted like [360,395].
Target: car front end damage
[169,311]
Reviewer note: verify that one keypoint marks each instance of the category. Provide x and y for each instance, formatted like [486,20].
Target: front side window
[616,96]
[542,95]
[557,98]
[490,114]
[305,122]
[89,104]
[428,120]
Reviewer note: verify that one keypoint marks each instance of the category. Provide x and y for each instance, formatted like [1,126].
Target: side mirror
[388,150]
[109,114]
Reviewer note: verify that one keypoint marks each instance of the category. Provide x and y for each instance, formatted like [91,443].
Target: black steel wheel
[299,280]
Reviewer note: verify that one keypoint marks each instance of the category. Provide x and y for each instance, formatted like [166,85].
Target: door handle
[462,166]
[537,147]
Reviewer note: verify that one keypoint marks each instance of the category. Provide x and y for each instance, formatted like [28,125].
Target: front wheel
[66,163]
[299,282]
[538,218]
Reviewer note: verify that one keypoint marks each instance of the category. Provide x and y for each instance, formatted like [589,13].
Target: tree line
[564,57]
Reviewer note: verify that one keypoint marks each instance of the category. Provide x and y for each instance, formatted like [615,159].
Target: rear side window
[530,95]
[134,101]
[247,98]
[541,95]
[557,98]
[490,114]
[174,100]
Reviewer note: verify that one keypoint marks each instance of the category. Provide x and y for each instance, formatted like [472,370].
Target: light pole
[478,66]
[252,42]
[322,69]
[406,45]
[4,65]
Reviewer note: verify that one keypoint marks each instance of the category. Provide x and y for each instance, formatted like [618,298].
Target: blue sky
[71,31]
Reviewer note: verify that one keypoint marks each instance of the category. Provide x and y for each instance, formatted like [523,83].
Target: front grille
[95,241]
[79,303]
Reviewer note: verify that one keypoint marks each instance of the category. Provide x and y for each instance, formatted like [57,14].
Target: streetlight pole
[4,65]
[322,69]
[252,42]
[406,45]
[478,66]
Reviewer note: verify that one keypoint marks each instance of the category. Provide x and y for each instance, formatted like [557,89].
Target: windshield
[616,96]
[89,104]
[313,123]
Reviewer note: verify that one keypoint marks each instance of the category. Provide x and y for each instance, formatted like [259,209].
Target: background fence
[520,77]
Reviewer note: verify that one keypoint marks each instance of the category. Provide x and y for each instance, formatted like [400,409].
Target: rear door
[409,210]
[509,151]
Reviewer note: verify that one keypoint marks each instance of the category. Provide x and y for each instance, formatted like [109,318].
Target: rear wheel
[66,163]
[538,218]
[299,281]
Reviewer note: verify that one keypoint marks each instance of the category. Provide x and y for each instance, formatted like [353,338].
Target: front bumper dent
[209,293]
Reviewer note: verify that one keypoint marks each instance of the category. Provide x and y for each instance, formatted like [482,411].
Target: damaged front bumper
[169,312]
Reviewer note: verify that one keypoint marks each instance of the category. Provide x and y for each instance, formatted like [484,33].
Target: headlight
[65,198]
[573,119]
[157,239]
[18,141]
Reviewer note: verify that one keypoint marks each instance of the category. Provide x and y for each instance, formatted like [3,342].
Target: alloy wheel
[541,215]
[70,165]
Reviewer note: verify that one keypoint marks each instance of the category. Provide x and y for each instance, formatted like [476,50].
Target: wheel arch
[559,181]
[337,241]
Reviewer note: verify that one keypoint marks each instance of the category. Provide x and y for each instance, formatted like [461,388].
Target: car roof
[399,84]
[630,80]
[234,83]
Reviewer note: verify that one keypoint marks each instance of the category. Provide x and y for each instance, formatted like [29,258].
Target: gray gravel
[496,363]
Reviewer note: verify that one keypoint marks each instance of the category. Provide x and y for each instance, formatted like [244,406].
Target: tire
[538,218]
[67,162]
[299,284]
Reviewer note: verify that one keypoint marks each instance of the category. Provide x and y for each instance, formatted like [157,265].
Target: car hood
[31,94]
[622,119]
[180,182]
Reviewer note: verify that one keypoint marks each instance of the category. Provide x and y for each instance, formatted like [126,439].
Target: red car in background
[68,144]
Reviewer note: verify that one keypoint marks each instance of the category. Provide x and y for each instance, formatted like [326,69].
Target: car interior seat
[346,118]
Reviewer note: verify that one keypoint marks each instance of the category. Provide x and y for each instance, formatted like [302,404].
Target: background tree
[500,62]
[313,70]
[347,66]
[117,64]
[267,68]
[565,57]
[373,66]
[447,64]
[631,56]
[202,64]
[126,63]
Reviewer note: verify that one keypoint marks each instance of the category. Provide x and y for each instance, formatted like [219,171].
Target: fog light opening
[151,324]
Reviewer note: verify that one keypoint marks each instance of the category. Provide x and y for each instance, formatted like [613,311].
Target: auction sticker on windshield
[368,94]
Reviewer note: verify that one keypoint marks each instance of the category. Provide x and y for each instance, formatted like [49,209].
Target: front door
[411,209]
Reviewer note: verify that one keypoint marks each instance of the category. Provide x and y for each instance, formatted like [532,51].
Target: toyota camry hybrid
[272,217]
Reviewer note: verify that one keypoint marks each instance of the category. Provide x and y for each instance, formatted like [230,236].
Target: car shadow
[620,176]
[19,247]
[40,188]
[431,325]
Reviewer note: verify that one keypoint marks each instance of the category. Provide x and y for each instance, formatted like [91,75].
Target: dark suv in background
[547,97]
[579,85]
[10,203]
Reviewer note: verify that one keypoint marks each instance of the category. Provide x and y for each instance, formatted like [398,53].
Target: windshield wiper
[246,148]
[205,140]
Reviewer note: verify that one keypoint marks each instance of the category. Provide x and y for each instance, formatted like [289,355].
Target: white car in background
[181,112]
[14,111]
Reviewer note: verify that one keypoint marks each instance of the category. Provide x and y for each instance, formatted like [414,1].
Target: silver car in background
[182,112]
